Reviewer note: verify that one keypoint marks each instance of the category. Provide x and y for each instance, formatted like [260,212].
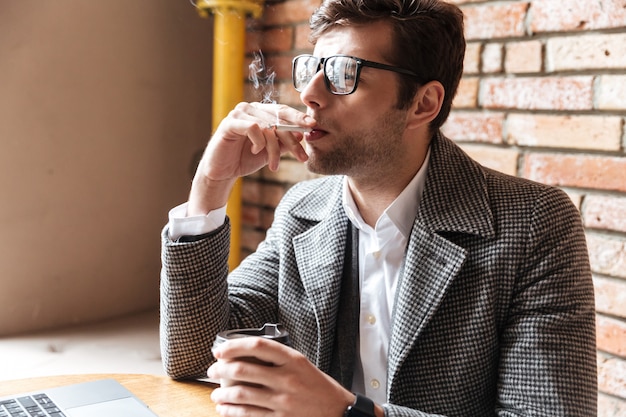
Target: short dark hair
[428,40]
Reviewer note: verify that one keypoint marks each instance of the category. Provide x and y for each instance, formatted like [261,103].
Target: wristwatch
[362,407]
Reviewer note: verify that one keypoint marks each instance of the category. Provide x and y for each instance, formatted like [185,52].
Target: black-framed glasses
[341,72]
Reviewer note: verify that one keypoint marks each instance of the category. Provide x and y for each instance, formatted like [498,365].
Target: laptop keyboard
[38,405]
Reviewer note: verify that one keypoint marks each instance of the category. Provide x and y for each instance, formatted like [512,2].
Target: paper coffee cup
[268,331]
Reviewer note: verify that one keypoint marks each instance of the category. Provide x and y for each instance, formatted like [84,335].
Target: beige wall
[102,106]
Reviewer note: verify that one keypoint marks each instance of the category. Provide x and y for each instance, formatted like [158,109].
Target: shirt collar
[401,211]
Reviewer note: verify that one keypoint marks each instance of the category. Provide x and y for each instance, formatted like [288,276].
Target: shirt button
[375,384]
[376,254]
[371,319]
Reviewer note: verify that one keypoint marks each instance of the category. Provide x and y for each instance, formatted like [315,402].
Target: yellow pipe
[228,56]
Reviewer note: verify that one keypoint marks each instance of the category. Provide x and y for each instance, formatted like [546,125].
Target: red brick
[607,255]
[471,63]
[283,92]
[538,93]
[588,51]
[467,93]
[610,296]
[583,171]
[610,92]
[576,15]
[244,253]
[250,216]
[492,58]
[250,238]
[489,21]
[277,70]
[294,11]
[474,126]
[267,217]
[277,40]
[253,41]
[611,335]
[609,406]
[288,95]
[270,40]
[523,57]
[271,194]
[575,197]
[565,131]
[500,159]
[251,191]
[612,375]
[301,42]
[281,65]
[605,212]
[264,92]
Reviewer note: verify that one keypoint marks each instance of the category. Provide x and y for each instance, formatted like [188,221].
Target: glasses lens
[341,72]
[304,69]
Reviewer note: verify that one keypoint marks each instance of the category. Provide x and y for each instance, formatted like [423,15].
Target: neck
[372,196]
[375,191]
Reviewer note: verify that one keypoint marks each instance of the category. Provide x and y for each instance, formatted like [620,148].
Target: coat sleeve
[548,353]
[199,298]
[194,301]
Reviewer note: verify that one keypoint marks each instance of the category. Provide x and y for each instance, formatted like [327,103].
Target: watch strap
[362,407]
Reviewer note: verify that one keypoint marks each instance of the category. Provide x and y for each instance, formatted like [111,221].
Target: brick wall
[543,97]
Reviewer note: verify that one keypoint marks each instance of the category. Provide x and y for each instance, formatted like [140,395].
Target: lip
[315,134]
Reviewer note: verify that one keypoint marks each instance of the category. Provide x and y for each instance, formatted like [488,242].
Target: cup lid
[269,331]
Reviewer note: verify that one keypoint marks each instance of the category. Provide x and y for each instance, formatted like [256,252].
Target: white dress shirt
[381,257]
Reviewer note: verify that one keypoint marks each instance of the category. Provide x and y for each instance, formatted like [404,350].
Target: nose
[315,92]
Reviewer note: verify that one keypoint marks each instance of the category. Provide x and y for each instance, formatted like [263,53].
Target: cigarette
[290,128]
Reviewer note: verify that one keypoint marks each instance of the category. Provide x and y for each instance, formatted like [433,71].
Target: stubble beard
[363,153]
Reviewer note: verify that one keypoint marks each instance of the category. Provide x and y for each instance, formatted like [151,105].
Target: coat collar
[455,197]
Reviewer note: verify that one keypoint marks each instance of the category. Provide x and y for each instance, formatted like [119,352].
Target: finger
[268,114]
[248,129]
[292,142]
[289,115]
[250,121]
[242,395]
[263,111]
[258,138]
[231,410]
[240,400]
[273,148]
[278,143]
[242,372]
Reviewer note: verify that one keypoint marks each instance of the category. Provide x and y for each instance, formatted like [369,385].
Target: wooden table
[166,397]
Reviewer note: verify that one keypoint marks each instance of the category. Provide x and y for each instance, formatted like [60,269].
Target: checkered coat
[494,314]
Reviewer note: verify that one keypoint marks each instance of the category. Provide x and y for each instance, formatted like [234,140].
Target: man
[409,274]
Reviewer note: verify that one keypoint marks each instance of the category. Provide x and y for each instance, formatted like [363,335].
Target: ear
[426,104]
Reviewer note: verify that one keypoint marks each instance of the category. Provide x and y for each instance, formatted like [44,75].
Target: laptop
[101,398]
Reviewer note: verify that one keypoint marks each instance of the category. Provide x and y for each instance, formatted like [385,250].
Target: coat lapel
[430,267]
[319,255]
[454,201]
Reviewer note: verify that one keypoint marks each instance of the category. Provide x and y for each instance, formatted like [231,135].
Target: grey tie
[347,329]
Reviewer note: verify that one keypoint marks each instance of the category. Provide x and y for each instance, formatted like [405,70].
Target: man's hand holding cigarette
[251,136]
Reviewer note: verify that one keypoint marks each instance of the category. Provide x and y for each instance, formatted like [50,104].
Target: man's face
[360,134]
